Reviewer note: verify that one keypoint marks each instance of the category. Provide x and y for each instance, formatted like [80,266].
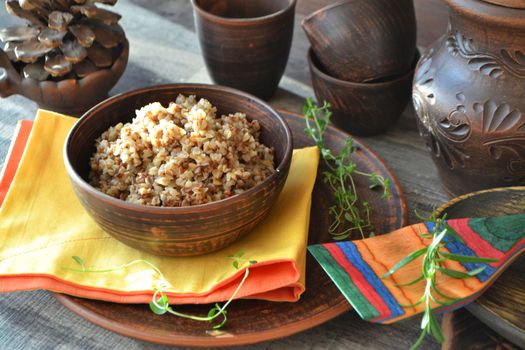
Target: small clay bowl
[363,40]
[245,43]
[177,231]
[362,109]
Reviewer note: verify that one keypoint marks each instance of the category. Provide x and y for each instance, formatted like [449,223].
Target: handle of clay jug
[9,77]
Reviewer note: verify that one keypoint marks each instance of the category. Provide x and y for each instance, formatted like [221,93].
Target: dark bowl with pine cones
[67,56]
[180,230]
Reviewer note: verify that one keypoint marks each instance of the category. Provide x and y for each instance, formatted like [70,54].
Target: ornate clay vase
[469,95]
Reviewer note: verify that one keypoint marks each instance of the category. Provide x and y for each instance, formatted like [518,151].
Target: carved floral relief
[509,61]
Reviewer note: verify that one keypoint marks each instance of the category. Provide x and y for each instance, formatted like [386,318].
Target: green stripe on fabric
[502,232]
[343,282]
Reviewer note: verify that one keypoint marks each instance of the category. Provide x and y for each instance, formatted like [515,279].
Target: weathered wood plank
[463,331]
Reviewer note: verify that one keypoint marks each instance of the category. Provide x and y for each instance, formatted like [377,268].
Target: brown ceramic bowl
[362,109]
[180,231]
[363,40]
[245,43]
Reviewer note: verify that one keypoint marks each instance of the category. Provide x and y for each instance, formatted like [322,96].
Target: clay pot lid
[517,4]
[491,12]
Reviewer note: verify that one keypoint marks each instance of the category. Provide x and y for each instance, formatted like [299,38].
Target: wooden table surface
[163,50]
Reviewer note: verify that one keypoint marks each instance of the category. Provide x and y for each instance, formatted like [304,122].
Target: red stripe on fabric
[359,280]
[519,245]
[475,242]
[13,157]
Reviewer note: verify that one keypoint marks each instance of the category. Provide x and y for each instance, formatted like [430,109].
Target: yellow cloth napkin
[42,225]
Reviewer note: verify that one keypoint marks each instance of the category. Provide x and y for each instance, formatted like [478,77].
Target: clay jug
[469,95]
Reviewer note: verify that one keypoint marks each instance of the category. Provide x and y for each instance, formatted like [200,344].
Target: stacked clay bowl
[362,60]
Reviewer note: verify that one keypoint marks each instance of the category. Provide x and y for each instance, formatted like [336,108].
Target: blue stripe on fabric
[456,247]
[385,319]
[353,255]
[430,226]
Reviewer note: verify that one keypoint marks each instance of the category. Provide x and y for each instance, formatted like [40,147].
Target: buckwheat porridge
[180,155]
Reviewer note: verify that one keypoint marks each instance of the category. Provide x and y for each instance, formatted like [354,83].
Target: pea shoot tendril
[160,303]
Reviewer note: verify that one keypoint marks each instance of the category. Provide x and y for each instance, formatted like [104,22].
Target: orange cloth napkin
[42,225]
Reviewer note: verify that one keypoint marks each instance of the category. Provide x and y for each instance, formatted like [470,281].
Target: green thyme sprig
[433,266]
[347,216]
[160,303]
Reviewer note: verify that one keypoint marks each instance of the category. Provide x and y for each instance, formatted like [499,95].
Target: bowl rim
[283,166]
[371,85]
[323,9]
[240,21]
[458,199]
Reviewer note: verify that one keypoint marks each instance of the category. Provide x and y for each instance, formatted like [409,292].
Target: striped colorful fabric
[356,267]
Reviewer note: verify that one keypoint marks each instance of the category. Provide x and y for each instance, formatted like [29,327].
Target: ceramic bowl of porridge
[179,170]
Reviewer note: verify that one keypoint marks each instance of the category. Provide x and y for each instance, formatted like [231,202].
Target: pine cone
[64,38]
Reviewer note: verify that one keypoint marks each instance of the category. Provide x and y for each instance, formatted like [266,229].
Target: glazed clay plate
[502,307]
[252,321]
